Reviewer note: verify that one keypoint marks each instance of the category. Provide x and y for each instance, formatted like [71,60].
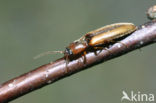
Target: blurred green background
[30,27]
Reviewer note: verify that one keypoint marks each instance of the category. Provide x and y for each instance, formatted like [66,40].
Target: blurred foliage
[30,27]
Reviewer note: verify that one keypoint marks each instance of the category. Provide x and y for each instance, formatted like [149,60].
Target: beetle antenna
[47,53]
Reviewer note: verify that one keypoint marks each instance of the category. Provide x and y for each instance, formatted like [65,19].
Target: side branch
[49,73]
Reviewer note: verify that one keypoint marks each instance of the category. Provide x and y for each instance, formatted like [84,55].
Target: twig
[49,73]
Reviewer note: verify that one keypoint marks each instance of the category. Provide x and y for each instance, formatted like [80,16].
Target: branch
[49,73]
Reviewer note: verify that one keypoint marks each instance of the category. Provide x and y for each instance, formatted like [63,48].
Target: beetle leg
[97,48]
[119,43]
[101,48]
[122,44]
[84,55]
[107,50]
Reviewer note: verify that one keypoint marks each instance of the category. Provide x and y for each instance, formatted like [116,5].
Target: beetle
[99,37]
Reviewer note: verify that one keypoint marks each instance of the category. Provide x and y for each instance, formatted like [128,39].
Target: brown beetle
[98,37]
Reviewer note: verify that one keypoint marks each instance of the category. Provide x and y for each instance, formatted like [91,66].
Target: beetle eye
[68,51]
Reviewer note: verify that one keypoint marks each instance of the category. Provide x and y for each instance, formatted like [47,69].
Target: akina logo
[137,97]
